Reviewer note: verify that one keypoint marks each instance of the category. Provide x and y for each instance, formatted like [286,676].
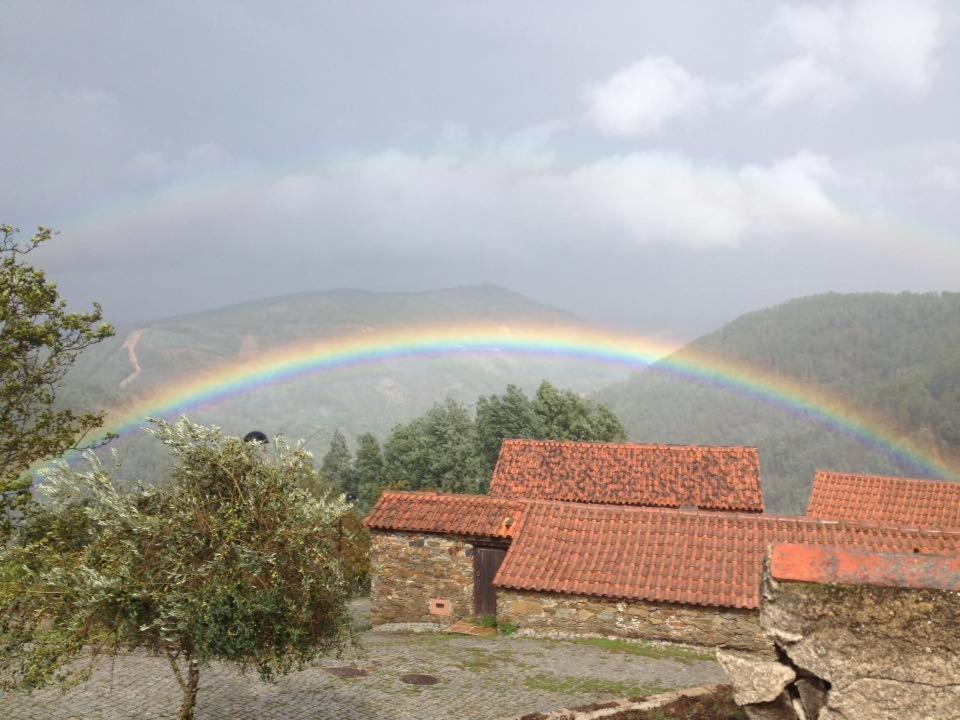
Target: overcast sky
[658,166]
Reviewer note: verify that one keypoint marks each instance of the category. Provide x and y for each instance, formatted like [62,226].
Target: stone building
[645,541]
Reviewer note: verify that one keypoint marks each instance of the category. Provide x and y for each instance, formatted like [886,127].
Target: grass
[569,685]
[659,652]
[482,660]
[490,621]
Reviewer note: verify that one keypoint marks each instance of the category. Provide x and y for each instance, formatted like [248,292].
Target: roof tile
[890,500]
[716,478]
[474,515]
[698,558]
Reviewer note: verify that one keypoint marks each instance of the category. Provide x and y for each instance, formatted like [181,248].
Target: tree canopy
[452,449]
[231,559]
[39,342]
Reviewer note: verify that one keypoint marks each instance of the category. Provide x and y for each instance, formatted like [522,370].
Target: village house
[658,542]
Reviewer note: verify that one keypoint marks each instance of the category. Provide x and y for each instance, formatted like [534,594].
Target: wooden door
[486,562]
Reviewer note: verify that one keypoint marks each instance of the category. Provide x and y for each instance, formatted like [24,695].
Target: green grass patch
[659,652]
[570,685]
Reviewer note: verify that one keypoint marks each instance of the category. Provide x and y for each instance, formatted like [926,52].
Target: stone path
[480,678]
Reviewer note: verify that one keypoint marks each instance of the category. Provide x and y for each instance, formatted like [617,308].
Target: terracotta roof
[474,515]
[891,500]
[698,558]
[716,478]
[803,563]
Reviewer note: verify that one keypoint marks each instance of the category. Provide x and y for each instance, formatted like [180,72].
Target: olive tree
[229,560]
[39,342]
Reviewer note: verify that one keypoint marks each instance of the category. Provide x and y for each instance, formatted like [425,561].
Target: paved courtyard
[476,678]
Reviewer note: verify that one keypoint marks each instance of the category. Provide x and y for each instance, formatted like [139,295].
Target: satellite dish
[256,437]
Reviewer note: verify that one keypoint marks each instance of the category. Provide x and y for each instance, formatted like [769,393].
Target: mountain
[894,356]
[372,396]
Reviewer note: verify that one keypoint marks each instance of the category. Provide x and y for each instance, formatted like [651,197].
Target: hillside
[895,355]
[367,397]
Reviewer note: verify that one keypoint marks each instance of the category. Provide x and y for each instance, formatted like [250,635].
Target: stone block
[525,607]
[755,680]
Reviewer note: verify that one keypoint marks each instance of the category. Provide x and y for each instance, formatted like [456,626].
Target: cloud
[835,53]
[884,42]
[642,98]
[798,80]
[666,198]
[152,166]
[489,204]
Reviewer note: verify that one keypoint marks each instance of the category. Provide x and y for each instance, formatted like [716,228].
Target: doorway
[486,562]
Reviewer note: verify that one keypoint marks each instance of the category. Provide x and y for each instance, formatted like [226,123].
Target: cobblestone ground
[480,678]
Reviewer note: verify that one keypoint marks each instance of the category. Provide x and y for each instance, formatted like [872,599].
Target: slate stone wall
[854,652]
[576,614]
[408,570]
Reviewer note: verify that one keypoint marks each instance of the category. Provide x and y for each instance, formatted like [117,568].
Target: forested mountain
[894,355]
[369,397]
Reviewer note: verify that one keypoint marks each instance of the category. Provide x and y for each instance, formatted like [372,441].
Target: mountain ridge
[894,355]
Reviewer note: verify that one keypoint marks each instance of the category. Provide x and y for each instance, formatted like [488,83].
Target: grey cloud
[660,168]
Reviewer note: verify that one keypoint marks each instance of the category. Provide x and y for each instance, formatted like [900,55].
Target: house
[891,500]
[647,541]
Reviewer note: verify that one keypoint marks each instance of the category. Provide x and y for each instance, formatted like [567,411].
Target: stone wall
[848,650]
[408,570]
[688,624]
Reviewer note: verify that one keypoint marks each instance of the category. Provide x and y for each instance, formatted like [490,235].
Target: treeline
[452,448]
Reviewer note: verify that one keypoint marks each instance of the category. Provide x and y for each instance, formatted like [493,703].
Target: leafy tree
[229,560]
[564,415]
[435,451]
[337,465]
[368,469]
[447,449]
[499,417]
[39,342]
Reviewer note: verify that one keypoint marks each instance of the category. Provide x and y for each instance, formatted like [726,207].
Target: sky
[656,167]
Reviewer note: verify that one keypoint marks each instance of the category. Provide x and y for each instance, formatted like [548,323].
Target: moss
[659,652]
[569,685]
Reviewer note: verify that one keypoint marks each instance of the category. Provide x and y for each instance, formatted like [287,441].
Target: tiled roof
[891,500]
[698,558]
[473,515]
[805,563]
[716,478]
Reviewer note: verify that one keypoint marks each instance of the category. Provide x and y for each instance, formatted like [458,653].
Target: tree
[337,465]
[499,417]
[39,342]
[435,451]
[229,560]
[564,415]
[368,469]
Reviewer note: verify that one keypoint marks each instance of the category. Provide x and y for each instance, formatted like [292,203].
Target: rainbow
[292,362]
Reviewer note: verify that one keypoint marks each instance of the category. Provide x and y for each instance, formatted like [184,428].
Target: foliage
[894,357]
[39,342]
[553,414]
[368,468]
[231,560]
[510,415]
[435,451]
[336,465]
[451,449]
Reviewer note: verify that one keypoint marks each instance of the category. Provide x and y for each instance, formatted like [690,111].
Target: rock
[754,679]
[524,607]
[779,709]
[813,695]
